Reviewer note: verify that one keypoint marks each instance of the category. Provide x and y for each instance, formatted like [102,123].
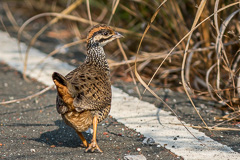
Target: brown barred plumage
[84,94]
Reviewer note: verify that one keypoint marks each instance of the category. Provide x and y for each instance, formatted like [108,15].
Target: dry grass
[188,46]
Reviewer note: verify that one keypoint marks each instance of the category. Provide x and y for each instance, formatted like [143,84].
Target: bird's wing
[91,90]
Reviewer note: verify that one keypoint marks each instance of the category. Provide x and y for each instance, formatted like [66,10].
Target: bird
[84,94]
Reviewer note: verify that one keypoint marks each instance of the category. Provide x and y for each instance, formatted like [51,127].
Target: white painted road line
[129,110]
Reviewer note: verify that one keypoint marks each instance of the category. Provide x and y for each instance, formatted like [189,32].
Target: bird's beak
[118,35]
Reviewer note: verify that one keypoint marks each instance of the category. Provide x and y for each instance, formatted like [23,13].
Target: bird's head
[101,35]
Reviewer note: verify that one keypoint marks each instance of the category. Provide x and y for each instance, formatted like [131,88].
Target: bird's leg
[85,143]
[94,144]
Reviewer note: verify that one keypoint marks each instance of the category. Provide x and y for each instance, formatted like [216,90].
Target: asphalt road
[33,129]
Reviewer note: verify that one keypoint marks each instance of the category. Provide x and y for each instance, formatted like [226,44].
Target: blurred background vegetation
[209,55]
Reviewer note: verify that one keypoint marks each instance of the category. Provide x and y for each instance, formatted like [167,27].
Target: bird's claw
[93,146]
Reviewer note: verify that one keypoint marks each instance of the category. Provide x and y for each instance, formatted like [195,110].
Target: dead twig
[115,5]
[211,128]
[28,97]
[216,128]
[57,50]
[198,14]
[131,71]
[33,40]
[89,13]
[147,85]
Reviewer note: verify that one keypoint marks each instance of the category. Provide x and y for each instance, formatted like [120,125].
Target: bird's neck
[96,57]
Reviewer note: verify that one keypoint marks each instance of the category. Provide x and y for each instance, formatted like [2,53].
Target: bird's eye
[105,33]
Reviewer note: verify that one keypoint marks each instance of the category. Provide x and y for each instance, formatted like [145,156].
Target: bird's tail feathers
[63,89]
[61,82]
[60,78]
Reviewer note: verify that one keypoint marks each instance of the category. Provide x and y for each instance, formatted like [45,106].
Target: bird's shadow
[64,136]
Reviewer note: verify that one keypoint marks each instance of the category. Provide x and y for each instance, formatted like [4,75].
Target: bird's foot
[93,146]
[85,144]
